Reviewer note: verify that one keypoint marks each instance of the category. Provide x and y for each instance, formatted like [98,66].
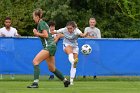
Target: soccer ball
[86,49]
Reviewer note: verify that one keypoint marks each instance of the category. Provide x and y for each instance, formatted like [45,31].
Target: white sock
[36,80]
[71,80]
[72,72]
[71,58]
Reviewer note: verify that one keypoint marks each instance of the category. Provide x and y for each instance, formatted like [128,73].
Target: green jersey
[48,43]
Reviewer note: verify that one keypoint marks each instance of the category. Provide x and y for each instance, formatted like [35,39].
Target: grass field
[101,85]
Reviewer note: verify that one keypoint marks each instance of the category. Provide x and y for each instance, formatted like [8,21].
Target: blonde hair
[71,23]
[38,12]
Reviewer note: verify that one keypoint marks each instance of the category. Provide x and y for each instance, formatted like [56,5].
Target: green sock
[58,74]
[36,72]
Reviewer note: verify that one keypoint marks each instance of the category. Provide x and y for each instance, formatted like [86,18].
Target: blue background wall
[108,57]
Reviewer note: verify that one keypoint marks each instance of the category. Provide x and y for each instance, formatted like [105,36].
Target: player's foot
[34,85]
[75,62]
[66,83]
[71,83]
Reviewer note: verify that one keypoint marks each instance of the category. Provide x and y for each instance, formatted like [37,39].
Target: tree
[115,18]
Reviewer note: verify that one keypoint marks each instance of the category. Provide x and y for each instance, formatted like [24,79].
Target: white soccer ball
[86,49]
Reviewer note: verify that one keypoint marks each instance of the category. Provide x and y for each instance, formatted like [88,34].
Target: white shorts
[75,49]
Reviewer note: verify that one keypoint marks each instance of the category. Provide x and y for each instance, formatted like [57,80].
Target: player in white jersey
[8,31]
[92,31]
[70,45]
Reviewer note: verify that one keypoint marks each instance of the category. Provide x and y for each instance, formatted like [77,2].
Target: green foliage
[21,14]
[115,18]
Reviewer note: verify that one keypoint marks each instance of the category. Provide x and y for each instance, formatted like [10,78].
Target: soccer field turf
[79,87]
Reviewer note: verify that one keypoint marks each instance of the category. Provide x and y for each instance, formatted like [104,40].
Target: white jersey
[11,33]
[95,32]
[70,38]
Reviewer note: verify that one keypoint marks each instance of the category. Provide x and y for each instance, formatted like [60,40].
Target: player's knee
[35,62]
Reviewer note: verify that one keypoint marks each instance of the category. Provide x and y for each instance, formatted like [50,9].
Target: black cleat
[34,85]
[66,83]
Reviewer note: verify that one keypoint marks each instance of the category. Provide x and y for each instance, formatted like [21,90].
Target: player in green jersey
[48,51]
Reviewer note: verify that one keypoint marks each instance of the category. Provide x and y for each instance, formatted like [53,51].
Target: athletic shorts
[51,49]
[75,49]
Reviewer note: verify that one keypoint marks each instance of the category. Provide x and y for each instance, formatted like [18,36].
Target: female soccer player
[70,45]
[48,51]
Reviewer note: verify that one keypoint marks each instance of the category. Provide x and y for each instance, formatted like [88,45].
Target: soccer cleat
[34,85]
[75,62]
[66,83]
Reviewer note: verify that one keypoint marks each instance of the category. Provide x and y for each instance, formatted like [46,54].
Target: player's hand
[82,35]
[60,35]
[35,32]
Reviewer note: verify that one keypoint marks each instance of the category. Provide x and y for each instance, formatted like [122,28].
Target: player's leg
[69,50]
[42,55]
[51,65]
[73,67]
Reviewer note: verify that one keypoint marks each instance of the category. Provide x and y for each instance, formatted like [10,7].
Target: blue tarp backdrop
[108,57]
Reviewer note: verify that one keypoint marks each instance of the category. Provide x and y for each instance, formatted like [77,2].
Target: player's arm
[57,31]
[44,33]
[80,33]
[61,30]
[58,36]
[86,34]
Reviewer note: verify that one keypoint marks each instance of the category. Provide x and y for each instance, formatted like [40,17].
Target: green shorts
[51,49]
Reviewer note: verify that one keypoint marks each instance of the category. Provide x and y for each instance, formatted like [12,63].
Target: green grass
[79,87]
[106,84]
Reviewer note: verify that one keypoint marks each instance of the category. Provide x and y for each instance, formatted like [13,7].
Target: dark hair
[71,23]
[38,12]
[7,18]
[51,23]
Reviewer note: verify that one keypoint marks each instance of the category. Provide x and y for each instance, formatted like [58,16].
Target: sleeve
[43,26]
[78,31]
[16,33]
[61,30]
[98,34]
